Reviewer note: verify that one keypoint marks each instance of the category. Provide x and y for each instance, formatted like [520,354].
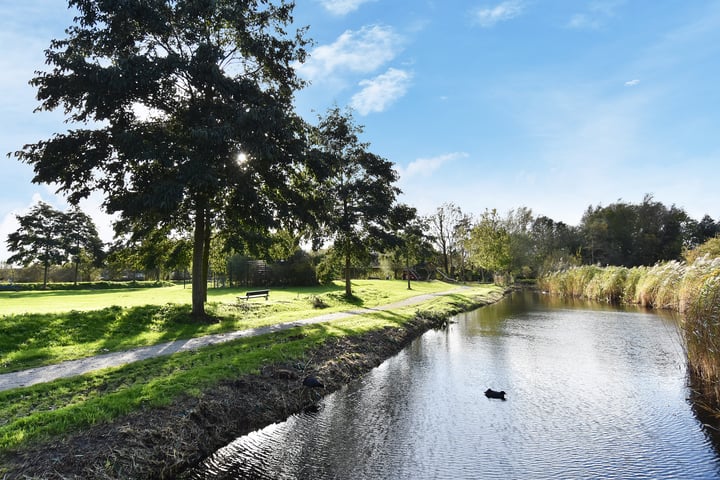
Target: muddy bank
[163,442]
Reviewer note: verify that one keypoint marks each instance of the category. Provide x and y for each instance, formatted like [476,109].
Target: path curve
[71,368]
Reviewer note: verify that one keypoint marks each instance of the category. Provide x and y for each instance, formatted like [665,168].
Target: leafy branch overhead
[165,97]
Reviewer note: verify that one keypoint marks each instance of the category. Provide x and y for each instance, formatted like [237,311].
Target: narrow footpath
[71,368]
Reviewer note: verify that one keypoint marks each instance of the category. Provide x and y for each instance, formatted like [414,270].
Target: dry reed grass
[693,290]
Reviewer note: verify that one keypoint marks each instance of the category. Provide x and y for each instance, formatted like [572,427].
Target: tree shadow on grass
[31,340]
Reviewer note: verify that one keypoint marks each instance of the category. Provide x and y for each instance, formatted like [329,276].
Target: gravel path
[81,366]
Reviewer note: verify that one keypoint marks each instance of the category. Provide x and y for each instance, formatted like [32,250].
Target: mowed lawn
[46,327]
[369,293]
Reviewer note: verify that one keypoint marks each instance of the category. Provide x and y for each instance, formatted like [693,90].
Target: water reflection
[592,393]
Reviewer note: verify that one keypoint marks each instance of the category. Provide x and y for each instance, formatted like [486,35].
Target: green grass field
[369,293]
[45,327]
[85,323]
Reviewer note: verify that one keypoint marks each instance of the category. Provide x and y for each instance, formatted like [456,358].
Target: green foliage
[489,244]
[711,249]
[296,270]
[554,245]
[358,206]
[50,237]
[633,235]
[329,268]
[162,98]
[449,230]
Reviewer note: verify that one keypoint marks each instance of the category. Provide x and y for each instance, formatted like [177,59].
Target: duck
[490,393]
[312,382]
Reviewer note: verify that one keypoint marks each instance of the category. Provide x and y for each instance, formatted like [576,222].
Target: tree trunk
[446,261]
[348,286]
[45,277]
[198,268]
[407,268]
[77,268]
[206,254]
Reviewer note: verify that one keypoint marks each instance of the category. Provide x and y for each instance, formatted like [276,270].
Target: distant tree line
[449,244]
[520,244]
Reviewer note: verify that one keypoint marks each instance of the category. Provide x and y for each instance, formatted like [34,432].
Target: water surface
[592,392]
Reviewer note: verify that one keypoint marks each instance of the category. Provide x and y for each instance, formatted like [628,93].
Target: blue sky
[549,104]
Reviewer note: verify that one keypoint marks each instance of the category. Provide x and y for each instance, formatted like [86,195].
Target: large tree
[631,235]
[358,205]
[183,111]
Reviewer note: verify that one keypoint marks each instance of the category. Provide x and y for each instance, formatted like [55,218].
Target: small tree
[358,191]
[40,238]
[180,256]
[83,241]
[447,227]
[489,244]
[414,245]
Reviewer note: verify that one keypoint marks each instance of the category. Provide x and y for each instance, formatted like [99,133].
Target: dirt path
[81,366]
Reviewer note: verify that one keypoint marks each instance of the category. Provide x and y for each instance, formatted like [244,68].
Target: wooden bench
[255,293]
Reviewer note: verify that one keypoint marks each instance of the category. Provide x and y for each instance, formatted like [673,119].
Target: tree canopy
[50,237]
[183,111]
[358,208]
[448,228]
[631,235]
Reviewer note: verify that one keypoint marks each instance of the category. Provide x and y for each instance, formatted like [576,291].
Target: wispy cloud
[361,51]
[425,167]
[488,16]
[342,7]
[632,83]
[597,14]
[380,92]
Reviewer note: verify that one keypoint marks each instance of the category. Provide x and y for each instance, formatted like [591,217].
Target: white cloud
[581,21]
[342,7]
[424,167]
[380,92]
[632,83]
[361,51]
[596,16]
[489,16]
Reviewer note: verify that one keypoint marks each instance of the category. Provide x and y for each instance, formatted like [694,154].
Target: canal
[592,392]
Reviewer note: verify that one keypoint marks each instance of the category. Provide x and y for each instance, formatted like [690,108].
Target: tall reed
[701,305]
[690,289]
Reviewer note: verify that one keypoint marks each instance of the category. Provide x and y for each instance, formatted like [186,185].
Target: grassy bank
[693,290]
[42,412]
[46,327]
